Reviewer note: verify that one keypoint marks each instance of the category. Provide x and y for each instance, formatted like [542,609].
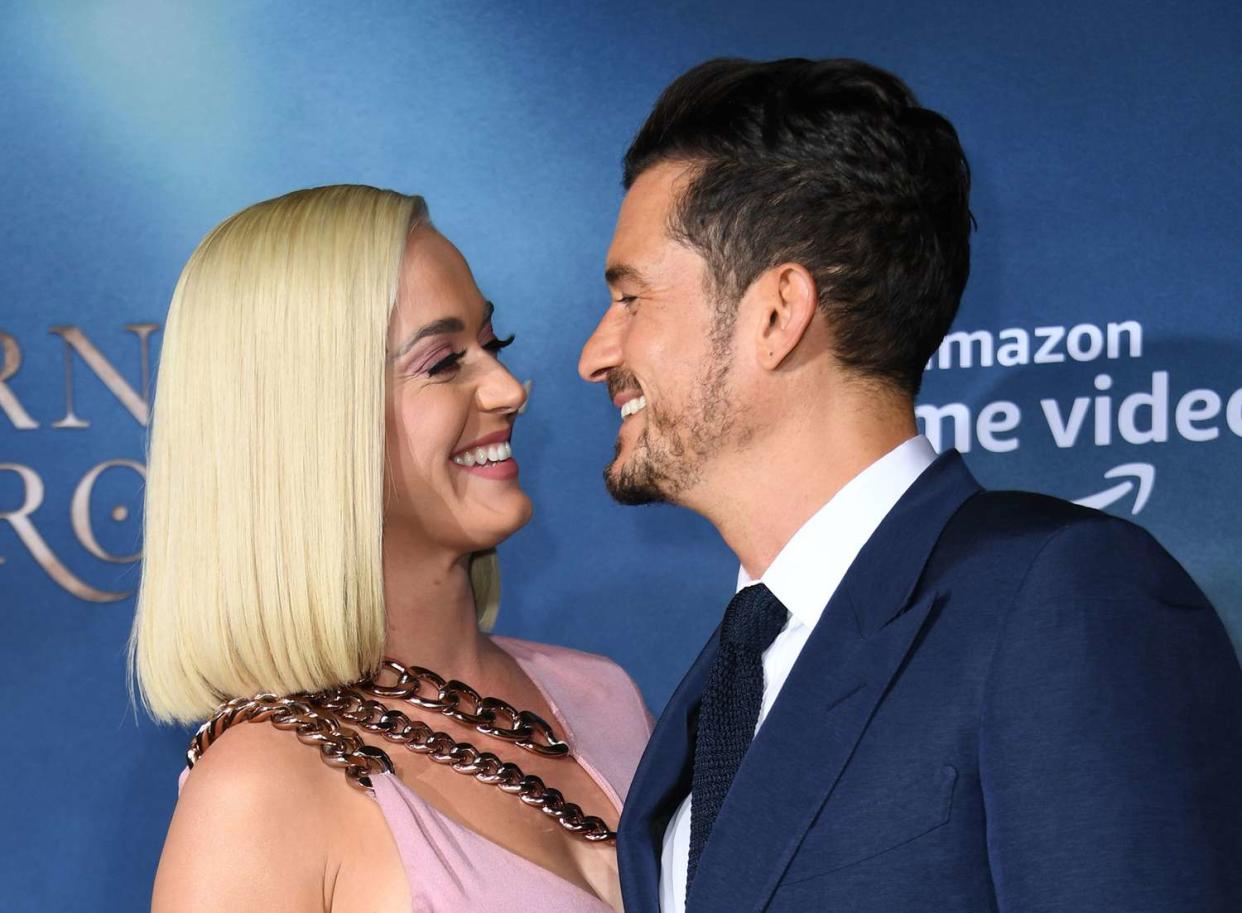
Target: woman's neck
[430,612]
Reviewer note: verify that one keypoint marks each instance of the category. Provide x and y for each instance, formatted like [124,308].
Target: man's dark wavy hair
[833,165]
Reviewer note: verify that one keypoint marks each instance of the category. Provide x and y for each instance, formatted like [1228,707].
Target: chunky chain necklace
[317,718]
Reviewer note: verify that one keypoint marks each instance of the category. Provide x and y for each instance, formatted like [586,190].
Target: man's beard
[673,450]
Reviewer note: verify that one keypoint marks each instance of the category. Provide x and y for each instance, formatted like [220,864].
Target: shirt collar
[808,569]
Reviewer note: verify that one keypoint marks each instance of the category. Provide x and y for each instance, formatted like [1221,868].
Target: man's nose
[602,350]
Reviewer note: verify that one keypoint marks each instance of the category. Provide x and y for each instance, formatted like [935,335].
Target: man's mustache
[621,381]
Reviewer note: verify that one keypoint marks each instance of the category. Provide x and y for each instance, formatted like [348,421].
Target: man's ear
[787,302]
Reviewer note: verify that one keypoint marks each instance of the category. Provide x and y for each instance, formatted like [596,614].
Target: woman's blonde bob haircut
[263,566]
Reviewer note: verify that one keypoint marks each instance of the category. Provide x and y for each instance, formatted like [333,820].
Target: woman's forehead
[436,283]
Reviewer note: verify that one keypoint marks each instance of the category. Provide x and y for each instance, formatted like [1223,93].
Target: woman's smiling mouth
[490,456]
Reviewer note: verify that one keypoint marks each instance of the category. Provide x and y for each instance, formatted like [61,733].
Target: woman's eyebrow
[439,327]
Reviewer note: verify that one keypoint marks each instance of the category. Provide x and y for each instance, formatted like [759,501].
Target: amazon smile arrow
[1143,475]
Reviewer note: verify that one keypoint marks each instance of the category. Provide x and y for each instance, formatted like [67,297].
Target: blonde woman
[331,466]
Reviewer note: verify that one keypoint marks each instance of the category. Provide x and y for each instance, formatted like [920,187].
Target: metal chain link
[396,727]
[489,715]
[316,719]
[339,746]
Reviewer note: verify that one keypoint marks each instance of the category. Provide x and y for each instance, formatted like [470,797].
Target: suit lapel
[841,675]
[798,756]
[661,781]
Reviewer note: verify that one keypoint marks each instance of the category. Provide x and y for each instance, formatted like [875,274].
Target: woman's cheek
[430,427]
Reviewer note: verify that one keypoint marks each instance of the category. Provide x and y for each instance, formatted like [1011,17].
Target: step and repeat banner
[1097,356]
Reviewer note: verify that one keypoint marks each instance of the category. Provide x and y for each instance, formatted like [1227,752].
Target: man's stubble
[673,450]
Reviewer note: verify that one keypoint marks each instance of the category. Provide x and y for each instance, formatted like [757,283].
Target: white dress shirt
[803,576]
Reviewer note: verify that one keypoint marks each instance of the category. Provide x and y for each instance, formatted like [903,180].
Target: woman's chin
[501,522]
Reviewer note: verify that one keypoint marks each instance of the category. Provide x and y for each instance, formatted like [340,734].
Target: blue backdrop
[1098,355]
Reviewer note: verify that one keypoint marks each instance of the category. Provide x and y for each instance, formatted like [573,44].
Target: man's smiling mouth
[630,406]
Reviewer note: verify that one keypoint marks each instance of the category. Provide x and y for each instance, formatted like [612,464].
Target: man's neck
[763,496]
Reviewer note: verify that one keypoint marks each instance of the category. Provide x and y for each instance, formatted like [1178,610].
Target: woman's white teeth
[638,404]
[480,456]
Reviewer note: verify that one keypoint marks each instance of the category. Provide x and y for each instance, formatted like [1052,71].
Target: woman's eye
[447,363]
[495,345]
[626,300]
[452,361]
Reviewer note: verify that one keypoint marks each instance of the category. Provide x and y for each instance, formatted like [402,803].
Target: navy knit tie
[730,707]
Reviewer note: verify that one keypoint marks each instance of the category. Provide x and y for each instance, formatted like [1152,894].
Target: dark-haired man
[924,696]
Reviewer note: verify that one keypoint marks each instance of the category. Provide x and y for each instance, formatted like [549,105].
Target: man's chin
[631,489]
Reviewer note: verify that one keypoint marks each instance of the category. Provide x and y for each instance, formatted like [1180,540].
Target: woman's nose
[500,391]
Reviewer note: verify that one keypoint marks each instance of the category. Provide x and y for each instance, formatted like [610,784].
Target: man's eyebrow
[621,272]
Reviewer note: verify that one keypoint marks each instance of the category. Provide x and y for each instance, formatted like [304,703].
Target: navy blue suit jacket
[1010,704]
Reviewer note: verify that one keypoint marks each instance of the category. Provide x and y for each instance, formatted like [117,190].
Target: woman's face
[451,480]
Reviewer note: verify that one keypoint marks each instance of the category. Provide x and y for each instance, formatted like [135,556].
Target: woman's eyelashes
[447,363]
[452,361]
[494,345]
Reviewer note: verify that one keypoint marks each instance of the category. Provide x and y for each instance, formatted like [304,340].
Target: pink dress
[452,869]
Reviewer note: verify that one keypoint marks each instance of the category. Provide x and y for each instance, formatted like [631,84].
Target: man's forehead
[653,192]
[642,224]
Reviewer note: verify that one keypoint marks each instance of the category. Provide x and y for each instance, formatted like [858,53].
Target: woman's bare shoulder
[251,827]
[257,764]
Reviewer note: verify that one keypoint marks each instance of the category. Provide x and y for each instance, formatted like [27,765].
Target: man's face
[660,351]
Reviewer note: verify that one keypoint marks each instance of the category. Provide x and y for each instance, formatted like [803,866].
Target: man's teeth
[638,404]
[481,456]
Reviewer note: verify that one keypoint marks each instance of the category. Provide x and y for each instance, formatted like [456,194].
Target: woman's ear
[787,303]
